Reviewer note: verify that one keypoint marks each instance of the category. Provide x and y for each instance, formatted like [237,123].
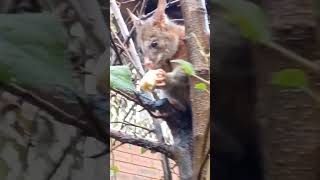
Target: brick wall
[135,165]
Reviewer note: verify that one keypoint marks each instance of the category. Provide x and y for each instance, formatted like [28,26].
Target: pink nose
[147,63]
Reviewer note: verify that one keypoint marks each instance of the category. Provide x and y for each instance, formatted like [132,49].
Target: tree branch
[146,103]
[294,57]
[125,33]
[56,112]
[154,146]
[130,124]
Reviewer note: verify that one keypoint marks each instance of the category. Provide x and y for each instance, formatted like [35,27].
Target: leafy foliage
[186,66]
[32,49]
[294,78]
[120,78]
[254,25]
[201,86]
[249,17]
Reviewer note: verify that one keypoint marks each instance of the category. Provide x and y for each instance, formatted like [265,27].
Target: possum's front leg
[175,87]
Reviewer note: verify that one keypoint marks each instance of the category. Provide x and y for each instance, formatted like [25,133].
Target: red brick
[157,164]
[137,150]
[154,173]
[151,155]
[122,156]
[138,170]
[135,166]
[130,149]
[135,177]
[127,176]
[143,161]
[126,167]
[121,175]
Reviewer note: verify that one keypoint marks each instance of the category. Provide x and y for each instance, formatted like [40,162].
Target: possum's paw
[153,79]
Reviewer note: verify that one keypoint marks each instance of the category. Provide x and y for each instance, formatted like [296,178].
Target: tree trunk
[194,14]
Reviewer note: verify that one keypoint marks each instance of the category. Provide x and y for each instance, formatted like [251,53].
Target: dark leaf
[32,50]
[120,78]
[249,17]
[294,78]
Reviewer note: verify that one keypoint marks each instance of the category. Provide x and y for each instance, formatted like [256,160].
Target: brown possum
[161,41]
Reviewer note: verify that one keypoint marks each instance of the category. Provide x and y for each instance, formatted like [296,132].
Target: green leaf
[186,66]
[114,170]
[120,78]
[32,50]
[249,17]
[294,78]
[143,150]
[201,86]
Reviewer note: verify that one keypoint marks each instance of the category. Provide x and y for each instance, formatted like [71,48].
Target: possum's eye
[154,44]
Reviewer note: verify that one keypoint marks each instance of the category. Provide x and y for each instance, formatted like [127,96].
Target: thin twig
[312,94]
[201,79]
[207,155]
[130,124]
[125,33]
[152,12]
[128,1]
[135,65]
[143,7]
[134,98]
[136,7]
[207,136]
[127,114]
[115,49]
[129,37]
[295,57]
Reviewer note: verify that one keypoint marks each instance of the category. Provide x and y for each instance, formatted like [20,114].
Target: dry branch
[130,124]
[154,146]
[125,33]
[58,114]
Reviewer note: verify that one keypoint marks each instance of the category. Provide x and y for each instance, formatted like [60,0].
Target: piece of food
[148,81]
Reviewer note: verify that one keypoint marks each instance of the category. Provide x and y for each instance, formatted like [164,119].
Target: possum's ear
[160,18]
[135,19]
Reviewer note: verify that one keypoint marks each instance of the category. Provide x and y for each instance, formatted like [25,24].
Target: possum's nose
[147,63]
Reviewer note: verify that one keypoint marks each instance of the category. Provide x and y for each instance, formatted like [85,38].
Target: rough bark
[194,13]
[290,118]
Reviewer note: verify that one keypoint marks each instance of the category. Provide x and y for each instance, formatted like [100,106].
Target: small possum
[161,41]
